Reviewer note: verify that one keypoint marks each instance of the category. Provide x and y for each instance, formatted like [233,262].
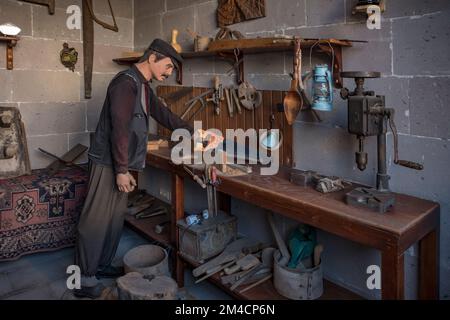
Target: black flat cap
[167,50]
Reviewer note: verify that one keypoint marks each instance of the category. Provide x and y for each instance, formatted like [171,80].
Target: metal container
[199,242]
[297,284]
[148,260]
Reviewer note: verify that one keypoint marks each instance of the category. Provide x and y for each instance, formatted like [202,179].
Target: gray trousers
[101,221]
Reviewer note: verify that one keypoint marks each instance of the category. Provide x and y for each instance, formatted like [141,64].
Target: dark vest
[100,150]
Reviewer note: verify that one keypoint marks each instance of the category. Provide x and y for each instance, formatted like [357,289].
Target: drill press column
[368,116]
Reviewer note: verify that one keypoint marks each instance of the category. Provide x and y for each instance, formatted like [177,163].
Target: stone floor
[42,276]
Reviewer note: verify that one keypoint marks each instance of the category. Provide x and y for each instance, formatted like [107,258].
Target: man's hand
[213,140]
[125,182]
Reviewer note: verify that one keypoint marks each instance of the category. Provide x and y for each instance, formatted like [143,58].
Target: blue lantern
[322,89]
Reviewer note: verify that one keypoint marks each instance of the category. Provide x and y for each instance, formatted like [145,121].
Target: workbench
[412,220]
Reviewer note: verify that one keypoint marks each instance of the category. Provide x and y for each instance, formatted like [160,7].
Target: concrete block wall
[411,51]
[49,96]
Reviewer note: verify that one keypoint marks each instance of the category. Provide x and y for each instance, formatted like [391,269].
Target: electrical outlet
[165,194]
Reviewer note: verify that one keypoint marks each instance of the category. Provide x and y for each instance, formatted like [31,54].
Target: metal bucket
[148,260]
[297,284]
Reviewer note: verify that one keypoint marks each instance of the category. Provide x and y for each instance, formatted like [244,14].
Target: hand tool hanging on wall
[235,98]
[217,97]
[237,60]
[174,96]
[192,102]
[229,102]
[293,101]
[88,42]
[49,3]
[233,103]
[249,97]
[368,116]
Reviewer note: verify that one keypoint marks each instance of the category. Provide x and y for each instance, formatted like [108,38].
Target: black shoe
[89,292]
[110,272]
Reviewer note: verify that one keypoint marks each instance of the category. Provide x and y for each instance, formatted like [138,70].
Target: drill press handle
[409,164]
[404,163]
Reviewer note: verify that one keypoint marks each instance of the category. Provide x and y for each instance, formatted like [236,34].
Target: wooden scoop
[292,101]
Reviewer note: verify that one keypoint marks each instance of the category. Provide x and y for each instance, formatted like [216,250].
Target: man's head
[160,59]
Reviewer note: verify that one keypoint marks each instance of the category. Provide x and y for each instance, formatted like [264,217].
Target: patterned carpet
[40,212]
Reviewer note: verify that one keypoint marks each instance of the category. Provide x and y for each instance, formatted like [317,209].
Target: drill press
[368,116]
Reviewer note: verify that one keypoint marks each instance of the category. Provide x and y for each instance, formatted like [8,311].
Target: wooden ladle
[293,101]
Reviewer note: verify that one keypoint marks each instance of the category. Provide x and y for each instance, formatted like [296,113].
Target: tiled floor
[43,275]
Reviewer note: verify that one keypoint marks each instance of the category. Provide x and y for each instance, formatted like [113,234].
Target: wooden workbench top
[409,220]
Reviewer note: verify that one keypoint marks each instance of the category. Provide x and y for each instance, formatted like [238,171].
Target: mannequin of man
[120,146]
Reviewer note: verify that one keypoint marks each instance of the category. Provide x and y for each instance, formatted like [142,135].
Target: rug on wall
[39,212]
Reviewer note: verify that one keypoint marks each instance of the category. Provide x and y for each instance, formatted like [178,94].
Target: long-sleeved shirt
[123,91]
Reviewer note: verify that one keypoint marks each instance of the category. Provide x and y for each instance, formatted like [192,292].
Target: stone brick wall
[49,96]
[411,51]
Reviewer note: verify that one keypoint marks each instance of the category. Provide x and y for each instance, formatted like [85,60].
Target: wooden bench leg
[392,275]
[177,213]
[179,271]
[429,266]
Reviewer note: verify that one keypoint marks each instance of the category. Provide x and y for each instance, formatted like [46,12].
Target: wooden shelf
[146,227]
[10,44]
[266,290]
[233,50]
